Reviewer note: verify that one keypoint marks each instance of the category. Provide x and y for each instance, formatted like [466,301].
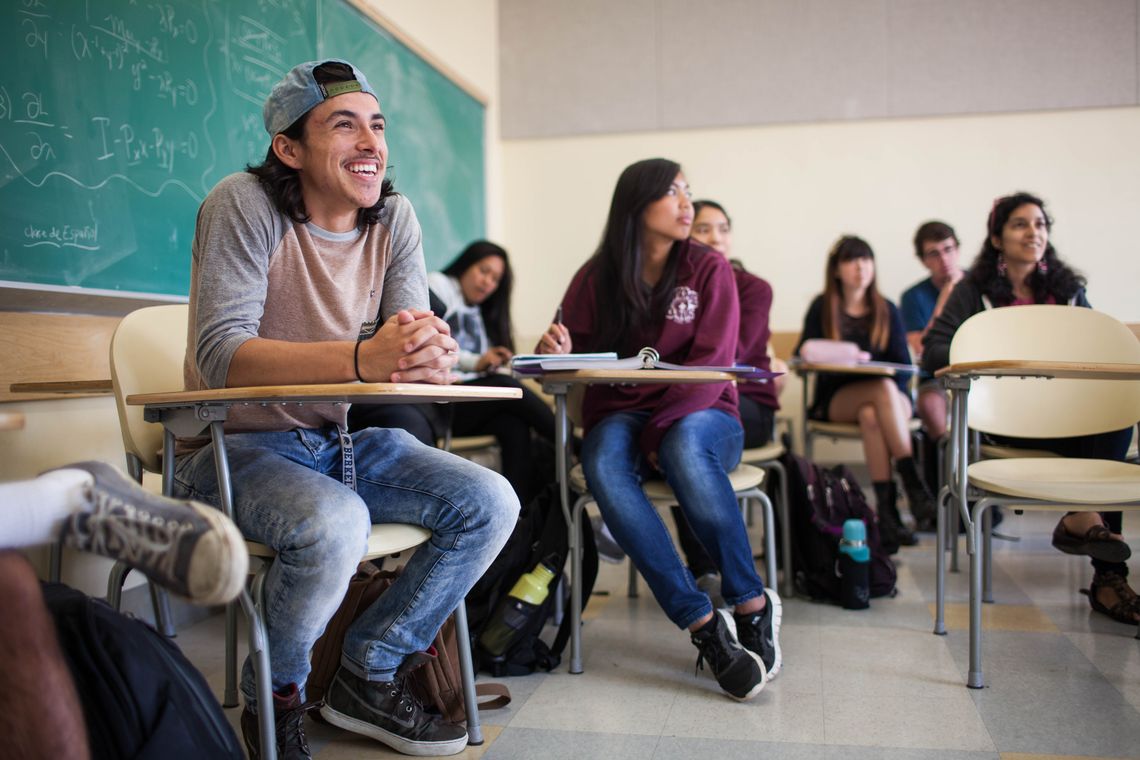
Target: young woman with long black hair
[648,284]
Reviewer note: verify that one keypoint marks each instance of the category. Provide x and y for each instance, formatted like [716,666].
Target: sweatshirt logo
[683,310]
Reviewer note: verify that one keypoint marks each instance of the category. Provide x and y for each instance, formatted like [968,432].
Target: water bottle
[854,566]
[518,607]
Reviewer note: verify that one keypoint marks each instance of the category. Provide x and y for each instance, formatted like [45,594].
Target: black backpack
[822,499]
[141,697]
[539,533]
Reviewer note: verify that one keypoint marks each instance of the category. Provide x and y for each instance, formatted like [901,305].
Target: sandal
[1097,543]
[1127,607]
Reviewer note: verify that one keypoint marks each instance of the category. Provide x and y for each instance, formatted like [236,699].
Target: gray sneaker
[191,549]
[389,713]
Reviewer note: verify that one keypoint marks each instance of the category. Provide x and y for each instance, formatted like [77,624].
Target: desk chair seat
[1034,406]
[1061,480]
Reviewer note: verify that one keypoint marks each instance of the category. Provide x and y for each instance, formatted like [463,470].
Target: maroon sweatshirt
[700,328]
[755,304]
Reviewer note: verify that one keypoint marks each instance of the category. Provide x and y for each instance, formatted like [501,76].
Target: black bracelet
[356,359]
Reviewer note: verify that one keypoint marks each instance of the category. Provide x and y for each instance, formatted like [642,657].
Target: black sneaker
[388,712]
[759,632]
[289,715]
[738,671]
[189,548]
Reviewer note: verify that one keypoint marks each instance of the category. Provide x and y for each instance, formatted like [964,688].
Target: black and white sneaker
[189,548]
[759,632]
[739,672]
[389,713]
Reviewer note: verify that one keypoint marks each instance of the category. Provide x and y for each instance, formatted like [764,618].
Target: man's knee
[21,588]
[495,504]
[334,533]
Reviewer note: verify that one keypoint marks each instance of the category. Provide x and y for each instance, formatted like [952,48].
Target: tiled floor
[1061,681]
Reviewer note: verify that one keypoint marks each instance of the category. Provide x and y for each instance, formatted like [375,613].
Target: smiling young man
[308,268]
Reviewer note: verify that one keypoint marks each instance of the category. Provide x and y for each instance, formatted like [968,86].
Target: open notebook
[646,358]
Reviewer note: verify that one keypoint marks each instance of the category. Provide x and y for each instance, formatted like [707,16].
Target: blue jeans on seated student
[290,493]
[695,455]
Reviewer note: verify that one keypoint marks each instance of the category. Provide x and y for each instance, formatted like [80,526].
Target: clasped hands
[412,346]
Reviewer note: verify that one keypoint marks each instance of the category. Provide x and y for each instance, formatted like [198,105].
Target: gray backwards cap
[298,93]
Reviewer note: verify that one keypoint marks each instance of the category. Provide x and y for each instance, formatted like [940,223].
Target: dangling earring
[1001,268]
[1042,267]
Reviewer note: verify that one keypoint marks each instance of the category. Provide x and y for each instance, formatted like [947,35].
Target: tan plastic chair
[1043,408]
[746,483]
[147,353]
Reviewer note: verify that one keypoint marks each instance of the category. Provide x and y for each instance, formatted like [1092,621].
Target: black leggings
[1112,446]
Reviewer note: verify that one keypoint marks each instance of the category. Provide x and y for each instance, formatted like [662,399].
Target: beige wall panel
[595,67]
[738,62]
[985,56]
[793,189]
[578,68]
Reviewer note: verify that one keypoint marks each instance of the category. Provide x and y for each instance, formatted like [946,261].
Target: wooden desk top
[636,377]
[11,420]
[872,370]
[1046,369]
[63,386]
[342,393]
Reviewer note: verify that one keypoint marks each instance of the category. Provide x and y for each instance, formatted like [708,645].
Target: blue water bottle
[854,566]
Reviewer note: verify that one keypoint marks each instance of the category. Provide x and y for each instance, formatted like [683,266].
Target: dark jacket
[964,302]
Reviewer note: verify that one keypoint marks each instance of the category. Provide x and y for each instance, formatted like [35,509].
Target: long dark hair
[847,248]
[1058,281]
[625,306]
[283,184]
[496,309]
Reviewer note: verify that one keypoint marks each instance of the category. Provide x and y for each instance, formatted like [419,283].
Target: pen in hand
[558,315]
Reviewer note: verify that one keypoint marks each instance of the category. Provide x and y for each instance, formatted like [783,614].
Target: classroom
[808,121]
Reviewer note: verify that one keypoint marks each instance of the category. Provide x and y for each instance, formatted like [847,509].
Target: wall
[793,189]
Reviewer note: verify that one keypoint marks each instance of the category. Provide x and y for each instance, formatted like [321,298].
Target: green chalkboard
[117,117]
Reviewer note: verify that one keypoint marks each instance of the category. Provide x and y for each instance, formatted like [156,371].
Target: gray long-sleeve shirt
[256,273]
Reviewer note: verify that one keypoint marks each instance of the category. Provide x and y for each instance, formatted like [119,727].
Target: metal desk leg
[258,637]
[975,679]
[467,674]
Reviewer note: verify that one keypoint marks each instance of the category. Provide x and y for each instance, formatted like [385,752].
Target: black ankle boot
[892,532]
[918,496]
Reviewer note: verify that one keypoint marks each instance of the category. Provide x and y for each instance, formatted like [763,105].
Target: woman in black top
[1019,265]
[851,309]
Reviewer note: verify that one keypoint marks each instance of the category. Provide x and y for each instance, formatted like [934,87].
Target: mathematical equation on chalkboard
[119,117]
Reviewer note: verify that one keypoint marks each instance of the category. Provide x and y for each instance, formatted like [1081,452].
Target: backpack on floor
[141,697]
[822,499]
[539,533]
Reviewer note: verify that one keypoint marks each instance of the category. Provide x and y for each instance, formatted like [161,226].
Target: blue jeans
[695,455]
[294,491]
